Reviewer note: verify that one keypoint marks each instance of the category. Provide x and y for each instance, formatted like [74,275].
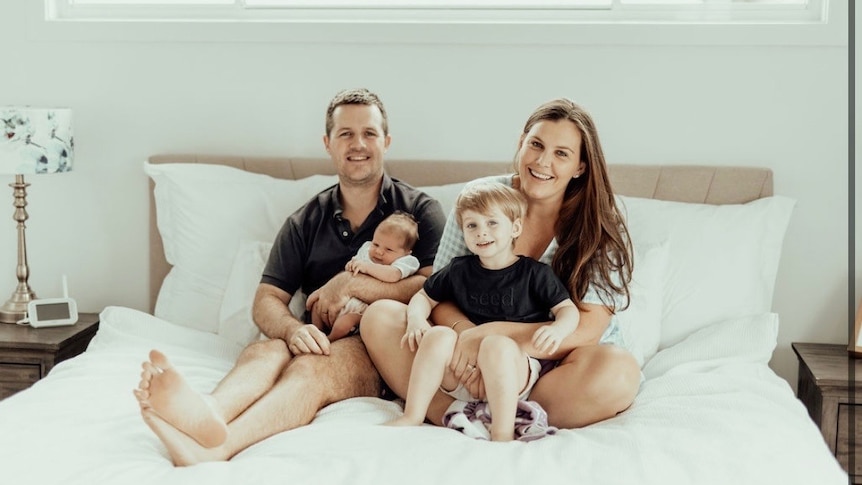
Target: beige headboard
[703,184]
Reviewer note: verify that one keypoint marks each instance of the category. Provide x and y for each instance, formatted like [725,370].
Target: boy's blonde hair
[403,224]
[484,196]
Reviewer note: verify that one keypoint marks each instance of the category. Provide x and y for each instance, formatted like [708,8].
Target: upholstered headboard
[701,184]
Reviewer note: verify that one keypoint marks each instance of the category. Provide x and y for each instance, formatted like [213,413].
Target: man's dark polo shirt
[316,242]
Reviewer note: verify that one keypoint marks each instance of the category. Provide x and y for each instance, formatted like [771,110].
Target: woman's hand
[476,385]
[466,354]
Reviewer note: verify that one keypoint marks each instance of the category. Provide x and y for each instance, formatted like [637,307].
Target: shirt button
[344,233]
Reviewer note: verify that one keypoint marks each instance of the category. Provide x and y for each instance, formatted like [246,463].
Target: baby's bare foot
[163,391]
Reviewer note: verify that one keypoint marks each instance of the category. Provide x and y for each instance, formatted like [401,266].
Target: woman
[573,224]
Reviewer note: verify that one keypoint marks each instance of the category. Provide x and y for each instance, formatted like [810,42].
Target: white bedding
[710,412]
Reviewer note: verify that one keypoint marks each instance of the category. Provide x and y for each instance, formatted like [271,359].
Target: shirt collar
[382,201]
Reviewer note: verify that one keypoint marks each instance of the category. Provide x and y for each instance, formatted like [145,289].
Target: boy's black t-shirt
[522,292]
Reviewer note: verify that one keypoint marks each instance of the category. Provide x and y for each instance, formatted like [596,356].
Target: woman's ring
[470,367]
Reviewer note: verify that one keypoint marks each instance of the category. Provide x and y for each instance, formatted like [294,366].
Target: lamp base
[15,308]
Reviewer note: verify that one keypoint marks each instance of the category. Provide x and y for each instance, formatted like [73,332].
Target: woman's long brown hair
[591,233]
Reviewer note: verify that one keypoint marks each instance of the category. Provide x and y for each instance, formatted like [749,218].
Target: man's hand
[326,302]
[308,339]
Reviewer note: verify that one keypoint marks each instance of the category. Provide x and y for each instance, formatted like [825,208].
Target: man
[280,384]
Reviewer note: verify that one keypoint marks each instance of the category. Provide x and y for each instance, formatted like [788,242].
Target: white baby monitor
[52,312]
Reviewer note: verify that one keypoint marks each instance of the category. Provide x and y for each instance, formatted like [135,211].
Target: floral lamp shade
[36,140]
[32,141]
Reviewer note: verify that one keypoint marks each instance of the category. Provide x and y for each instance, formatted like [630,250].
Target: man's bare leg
[181,447]
[203,417]
[308,383]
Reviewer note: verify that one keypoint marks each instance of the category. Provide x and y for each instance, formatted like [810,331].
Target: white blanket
[710,412]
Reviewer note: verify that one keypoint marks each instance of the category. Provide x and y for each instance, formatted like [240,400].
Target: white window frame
[458,11]
[717,22]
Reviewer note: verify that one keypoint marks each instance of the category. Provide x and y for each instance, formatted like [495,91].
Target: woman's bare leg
[591,384]
[383,325]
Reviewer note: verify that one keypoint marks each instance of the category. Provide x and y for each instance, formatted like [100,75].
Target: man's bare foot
[183,450]
[404,421]
[163,391]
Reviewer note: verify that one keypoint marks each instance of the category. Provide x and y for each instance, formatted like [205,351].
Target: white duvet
[710,412]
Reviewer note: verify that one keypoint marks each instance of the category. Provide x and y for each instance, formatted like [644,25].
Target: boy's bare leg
[383,325]
[429,369]
[164,392]
[343,325]
[505,370]
[308,383]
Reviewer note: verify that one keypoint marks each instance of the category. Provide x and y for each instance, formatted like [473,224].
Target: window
[488,22]
[551,11]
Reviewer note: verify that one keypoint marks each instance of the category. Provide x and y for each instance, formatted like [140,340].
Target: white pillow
[640,323]
[746,339]
[722,258]
[188,299]
[203,211]
[445,194]
[235,317]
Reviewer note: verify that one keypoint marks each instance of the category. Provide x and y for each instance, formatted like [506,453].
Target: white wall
[857,136]
[783,107]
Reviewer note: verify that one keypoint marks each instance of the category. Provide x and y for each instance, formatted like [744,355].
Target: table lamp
[32,141]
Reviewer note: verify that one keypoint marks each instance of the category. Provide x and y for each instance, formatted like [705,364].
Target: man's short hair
[355,96]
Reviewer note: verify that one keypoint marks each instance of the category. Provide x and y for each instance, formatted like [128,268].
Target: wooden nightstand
[833,400]
[28,354]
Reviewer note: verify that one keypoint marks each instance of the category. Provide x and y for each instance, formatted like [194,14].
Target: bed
[707,242]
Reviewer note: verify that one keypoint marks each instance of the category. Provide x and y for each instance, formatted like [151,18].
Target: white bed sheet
[717,418]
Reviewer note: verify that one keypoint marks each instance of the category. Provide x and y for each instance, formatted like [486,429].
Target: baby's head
[393,238]
[490,212]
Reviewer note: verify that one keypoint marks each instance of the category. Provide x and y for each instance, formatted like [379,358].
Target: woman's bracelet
[456,322]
